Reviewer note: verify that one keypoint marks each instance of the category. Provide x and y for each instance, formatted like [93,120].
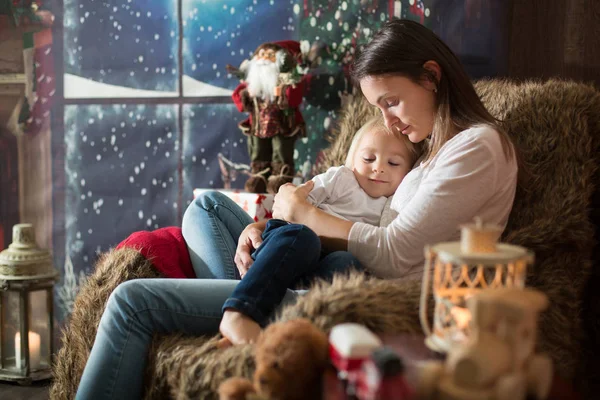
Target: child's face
[380,163]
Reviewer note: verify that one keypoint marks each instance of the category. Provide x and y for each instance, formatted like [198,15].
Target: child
[376,163]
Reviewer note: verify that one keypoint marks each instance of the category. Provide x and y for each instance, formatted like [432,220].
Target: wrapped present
[258,205]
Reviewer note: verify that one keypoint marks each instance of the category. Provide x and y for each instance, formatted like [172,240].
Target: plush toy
[271,92]
[290,360]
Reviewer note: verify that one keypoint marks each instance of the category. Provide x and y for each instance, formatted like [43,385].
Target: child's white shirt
[338,193]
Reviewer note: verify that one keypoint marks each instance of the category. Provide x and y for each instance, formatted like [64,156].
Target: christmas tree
[336,30]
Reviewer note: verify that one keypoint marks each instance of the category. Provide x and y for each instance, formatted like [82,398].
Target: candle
[462,317]
[34,350]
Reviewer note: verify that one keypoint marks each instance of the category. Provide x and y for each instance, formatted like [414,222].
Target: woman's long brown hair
[402,47]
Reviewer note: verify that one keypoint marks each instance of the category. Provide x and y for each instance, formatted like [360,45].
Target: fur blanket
[556,126]
[79,333]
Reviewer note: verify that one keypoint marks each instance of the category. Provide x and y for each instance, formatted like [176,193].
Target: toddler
[375,165]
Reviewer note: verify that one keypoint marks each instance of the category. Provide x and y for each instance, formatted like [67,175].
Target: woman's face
[407,107]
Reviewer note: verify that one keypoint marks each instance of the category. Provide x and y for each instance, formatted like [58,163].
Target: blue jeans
[289,255]
[138,309]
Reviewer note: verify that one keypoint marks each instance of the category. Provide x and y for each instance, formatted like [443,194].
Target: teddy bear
[290,358]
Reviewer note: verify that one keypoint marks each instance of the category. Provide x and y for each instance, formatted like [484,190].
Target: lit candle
[462,317]
[34,350]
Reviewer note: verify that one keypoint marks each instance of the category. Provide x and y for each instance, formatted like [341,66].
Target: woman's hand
[250,239]
[290,201]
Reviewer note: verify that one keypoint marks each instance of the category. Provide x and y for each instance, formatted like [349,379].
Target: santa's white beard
[262,79]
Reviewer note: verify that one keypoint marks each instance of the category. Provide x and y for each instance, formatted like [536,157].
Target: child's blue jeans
[289,255]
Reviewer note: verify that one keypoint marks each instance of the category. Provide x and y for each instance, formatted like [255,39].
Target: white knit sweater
[470,176]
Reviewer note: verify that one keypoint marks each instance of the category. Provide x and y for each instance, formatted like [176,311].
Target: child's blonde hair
[377,123]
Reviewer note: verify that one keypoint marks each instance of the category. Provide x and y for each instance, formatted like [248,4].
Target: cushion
[165,248]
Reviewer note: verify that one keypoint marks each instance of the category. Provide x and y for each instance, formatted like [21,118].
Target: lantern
[462,269]
[26,304]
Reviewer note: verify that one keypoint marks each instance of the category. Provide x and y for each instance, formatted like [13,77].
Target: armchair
[556,126]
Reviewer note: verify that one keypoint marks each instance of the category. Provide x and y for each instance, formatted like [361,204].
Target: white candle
[34,350]
[462,316]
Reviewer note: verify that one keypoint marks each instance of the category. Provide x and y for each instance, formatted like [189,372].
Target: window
[147,108]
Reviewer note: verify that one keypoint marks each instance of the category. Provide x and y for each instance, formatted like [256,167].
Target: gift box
[258,205]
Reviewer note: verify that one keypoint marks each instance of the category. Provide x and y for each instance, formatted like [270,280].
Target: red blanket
[165,248]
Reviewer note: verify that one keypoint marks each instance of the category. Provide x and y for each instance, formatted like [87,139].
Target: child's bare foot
[238,328]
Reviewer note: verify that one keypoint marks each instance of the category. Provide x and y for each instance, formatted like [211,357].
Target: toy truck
[382,377]
[370,370]
[349,346]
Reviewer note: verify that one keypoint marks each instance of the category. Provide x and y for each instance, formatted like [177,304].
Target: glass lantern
[462,269]
[26,305]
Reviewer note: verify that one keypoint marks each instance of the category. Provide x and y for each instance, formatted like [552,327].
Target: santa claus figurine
[271,92]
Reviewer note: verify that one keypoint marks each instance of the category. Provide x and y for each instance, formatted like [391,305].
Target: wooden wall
[9,186]
[555,38]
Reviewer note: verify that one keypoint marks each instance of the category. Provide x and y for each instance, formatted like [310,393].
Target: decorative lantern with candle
[462,269]
[27,279]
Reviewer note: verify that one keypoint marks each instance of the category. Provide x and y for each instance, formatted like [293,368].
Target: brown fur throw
[193,368]
[556,126]
[78,336]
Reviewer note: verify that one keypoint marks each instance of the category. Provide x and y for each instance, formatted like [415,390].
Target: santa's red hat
[292,46]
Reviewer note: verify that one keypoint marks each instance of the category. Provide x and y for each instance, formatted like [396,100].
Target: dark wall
[555,38]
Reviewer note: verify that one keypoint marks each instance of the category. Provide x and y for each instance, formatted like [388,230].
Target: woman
[469,170]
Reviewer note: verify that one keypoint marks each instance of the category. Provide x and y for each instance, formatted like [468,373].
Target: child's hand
[290,201]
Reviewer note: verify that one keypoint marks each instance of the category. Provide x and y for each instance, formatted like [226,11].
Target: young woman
[470,170]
